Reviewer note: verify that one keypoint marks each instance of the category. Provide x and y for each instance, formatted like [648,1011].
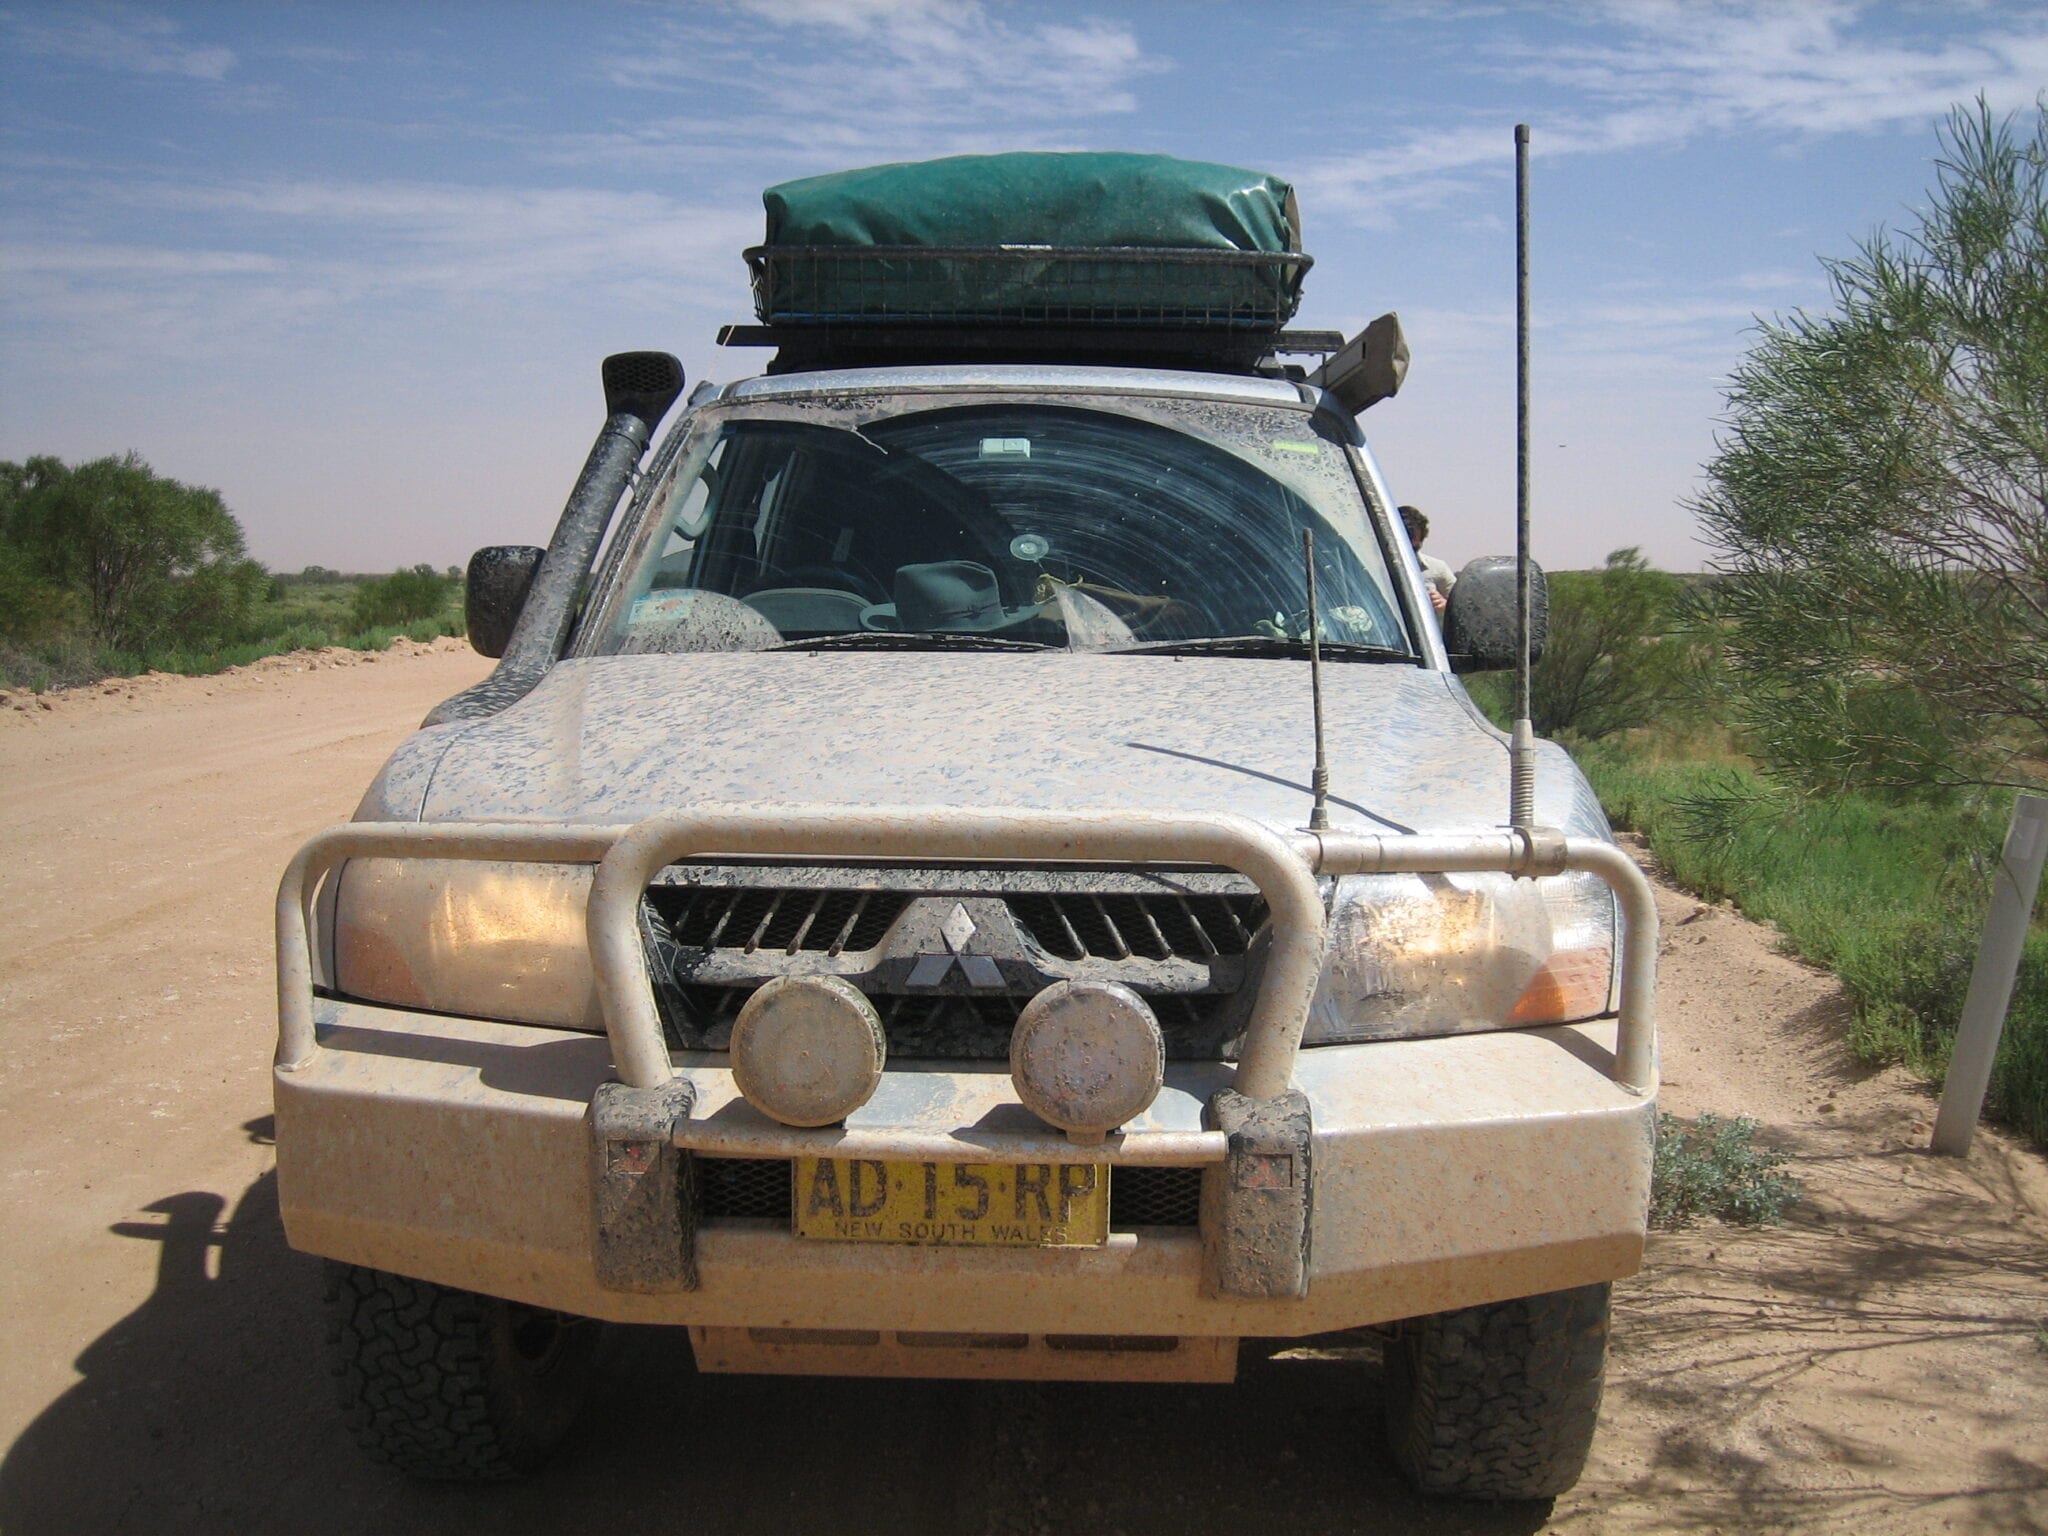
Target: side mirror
[493,592]
[1479,620]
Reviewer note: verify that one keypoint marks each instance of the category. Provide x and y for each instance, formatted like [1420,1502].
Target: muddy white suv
[881,916]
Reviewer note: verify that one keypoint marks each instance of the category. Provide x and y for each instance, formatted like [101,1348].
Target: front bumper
[1340,1186]
[1447,1172]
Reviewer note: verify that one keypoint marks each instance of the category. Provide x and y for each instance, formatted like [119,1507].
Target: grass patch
[1891,897]
[296,616]
[202,663]
[1713,1167]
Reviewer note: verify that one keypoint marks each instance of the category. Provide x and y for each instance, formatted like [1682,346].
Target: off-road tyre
[1498,1401]
[441,1383]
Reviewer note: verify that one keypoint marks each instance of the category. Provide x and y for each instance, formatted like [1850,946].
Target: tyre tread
[1499,1401]
[418,1380]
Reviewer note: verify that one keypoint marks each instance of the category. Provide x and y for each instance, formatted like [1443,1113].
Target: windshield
[1007,526]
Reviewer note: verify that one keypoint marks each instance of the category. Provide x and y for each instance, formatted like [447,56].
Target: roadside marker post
[1991,983]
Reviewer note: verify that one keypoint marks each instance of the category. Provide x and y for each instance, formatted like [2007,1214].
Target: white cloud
[123,261]
[292,263]
[317,53]
[1679,313]
[1685,68]
[118,39]
[1424,170]
[1680,70]
[1774,280]
[475,239]
[840,79]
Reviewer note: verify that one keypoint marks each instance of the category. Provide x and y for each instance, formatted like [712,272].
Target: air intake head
[641,384]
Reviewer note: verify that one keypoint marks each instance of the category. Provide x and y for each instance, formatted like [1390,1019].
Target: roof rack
[805,348]
[1156,306]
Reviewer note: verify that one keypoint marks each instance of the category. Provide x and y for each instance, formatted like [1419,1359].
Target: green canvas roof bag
[1032,238]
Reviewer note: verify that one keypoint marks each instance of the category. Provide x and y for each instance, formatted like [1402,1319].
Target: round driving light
[1087,1056]
[807,1050]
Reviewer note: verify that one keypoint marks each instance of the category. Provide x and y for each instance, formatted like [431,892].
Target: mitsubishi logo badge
[957,931]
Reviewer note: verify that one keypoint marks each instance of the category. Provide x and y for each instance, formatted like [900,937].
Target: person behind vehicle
[1439,575]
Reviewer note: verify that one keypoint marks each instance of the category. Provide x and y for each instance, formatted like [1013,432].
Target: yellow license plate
[991,1205]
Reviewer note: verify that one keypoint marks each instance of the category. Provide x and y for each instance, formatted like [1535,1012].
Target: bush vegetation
[1616,657]
[108,569]
[1828,730]
[1887,889]
[404,597]
[1713,1167]
[1888,894]
[1878,501]
[128,557]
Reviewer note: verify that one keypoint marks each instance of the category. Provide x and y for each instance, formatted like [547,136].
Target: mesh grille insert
[742,1186]
[1031,286]
[1155,1197]
[1114,1343]
[640,373]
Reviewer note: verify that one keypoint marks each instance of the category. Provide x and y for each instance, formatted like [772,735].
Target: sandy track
[1878,1365]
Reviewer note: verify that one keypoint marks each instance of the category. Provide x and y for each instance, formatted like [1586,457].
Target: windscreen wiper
[916,640]
[1264,645]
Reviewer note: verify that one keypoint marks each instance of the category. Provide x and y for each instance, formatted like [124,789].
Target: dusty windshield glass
[1008,526]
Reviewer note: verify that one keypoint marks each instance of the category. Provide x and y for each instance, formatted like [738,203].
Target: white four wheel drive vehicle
[887,913]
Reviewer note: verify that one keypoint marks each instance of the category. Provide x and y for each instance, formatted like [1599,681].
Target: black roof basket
[1145,306]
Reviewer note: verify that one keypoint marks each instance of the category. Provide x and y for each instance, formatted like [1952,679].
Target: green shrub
[1889,895]
[33,609]
[148,561]
[1614,659]
[1875,503]
[1713,1167]
[404,597]
[108,569]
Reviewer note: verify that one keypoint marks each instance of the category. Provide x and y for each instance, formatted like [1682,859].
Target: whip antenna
[1319,779]
[1522,745]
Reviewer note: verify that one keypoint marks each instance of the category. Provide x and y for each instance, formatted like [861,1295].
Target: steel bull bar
[1257,1186]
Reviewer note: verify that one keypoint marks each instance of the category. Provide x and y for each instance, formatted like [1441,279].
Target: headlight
[493,941]
[1416,955]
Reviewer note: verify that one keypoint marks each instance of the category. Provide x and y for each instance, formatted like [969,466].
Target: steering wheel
[831,577]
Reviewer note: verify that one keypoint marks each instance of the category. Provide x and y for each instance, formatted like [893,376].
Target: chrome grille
[815,919]
[951,953]
[1084,925]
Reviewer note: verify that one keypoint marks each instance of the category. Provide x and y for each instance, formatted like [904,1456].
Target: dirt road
[1879,1365]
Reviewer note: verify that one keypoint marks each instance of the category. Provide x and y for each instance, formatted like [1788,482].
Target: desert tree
[1618,655]
[1611,662]
[32,606]
[1879,499]
[404,597]
[152,561]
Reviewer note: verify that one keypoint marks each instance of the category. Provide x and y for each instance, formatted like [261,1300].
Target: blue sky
[356,264]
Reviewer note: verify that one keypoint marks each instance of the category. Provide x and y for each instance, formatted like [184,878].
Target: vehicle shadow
[210,1407]
[1764,1355]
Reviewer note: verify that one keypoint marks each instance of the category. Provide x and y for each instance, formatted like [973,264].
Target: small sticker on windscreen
[1006,447]
[1283,445]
